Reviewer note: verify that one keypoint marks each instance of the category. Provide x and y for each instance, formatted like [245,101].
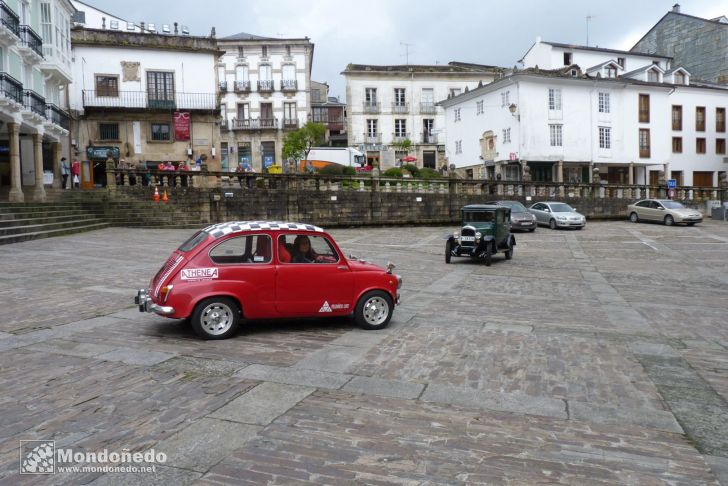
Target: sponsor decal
[330,308]
[199,273]
[339,306]
[326,307]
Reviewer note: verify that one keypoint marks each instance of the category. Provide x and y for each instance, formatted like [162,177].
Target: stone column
[57,179]
[591,172]
[631,174]
[667,170]
[39,194]
[560,171]
[16,191]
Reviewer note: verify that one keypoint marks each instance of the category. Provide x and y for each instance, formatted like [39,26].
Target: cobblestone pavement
[593,357]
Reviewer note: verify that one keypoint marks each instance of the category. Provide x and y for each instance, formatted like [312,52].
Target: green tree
[404,145]
[298,144]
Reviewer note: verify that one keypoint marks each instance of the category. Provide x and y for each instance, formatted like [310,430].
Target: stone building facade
[699,45]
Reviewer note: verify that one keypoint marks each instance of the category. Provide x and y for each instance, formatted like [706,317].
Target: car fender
[363,291]
[186,298]
[484,242]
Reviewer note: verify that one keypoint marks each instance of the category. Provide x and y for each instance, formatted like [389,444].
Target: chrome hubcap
[376,311]
[216,318]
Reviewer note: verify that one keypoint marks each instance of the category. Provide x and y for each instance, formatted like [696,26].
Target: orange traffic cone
[156,195]
[165,198]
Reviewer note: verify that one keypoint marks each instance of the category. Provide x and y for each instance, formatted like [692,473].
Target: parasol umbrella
[409,158]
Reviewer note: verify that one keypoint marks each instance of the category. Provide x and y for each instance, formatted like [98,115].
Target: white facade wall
[97,19]
[546,56]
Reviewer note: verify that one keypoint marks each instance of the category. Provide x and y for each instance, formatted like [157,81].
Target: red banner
[181,125]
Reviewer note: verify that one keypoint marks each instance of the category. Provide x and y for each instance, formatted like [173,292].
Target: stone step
[6,216]
[34,228]
[36,219]
[4,240]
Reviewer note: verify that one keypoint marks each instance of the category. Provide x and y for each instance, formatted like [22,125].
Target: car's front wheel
[488,257]
[552,224]
[448,251]
[634,218]
[509,251]
[216,318]
[669,220]
[374,310]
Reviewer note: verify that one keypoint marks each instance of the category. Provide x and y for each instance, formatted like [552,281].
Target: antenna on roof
[406,51]
[588,19]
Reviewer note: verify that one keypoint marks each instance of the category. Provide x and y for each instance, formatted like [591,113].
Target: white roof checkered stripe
[222,229]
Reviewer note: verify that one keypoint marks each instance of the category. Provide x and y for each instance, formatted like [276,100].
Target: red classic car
[261,270]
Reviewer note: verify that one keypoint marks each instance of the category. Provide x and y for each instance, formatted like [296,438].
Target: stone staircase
[33,220]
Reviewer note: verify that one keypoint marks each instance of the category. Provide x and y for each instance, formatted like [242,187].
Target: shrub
[393,172]
[427,173]
[349,171]
[333,169]
[411,168]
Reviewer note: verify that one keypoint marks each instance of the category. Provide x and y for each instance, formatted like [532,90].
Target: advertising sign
[181,125]
[267,161]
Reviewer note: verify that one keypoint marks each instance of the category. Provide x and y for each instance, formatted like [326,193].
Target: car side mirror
[547,210]
[574,209]
[352,257]
[661,208]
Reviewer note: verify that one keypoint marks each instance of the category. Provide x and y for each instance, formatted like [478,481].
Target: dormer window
[610,71]
[653,76]
[567,59]
[679,78]
[620,61]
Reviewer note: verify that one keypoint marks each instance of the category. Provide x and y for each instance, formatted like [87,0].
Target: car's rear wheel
[374,310]
[448,251]
[488,258]
[552,224]
[634,218]
[669,220]
[216,318]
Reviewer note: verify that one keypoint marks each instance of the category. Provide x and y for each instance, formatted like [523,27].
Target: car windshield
[516,207]
[672,205]
[479,216]
[561,208]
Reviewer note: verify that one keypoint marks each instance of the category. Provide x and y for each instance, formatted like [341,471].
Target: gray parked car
[556,214]
[521,218]
[663,211]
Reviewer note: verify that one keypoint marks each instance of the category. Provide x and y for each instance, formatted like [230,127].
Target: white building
[35,71]
[146,97]
[575,108]
[265,92]
[390,104]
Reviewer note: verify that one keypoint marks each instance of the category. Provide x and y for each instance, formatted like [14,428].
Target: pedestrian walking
[76,172]
[65,171]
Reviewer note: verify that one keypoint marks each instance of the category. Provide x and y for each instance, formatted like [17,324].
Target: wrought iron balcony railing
[58,116]
[30,39]
[429,137]
[290,123]
[400,108]
[428,108]
[9,19]
[146,100]
[34,102]
[371,107]
[289,85]
[265,86]
[242,86]
[255,123]
[11,88]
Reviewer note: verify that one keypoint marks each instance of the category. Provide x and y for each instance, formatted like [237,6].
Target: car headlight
[456,235]
[533,217]
[478,235]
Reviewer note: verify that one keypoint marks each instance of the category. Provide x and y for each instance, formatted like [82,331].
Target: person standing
[76,173]
[65,170]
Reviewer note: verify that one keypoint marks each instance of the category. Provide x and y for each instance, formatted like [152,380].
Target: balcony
[58,116]
[223,86]
[429,138]
[10,23]
[31,40]
[289,85]
[290,124]
[145,100]
[428,108]
[371,107]
[399,137]
[265,86]
[10,89]
[372,138]
[242,86]
[400,108]
[255,124]
[34,103]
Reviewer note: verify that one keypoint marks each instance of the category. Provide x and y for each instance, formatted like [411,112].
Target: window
[161,132]
[265,72]
[677,117]
[290,115]
[241,52]
[720,120]
[241,73]
[109,131]
[221,77]
[653,76]
[400,127]
[505,99]
[288,51]
[567,58]
[372,128]
[107,85]
[243,250]
[370,96]
[46,25]
[699,145]
[679,78]
[265,51]
[644,108]
[610,71]
[605,138]
[604,103]
[456,111]
[160,89]
[677,145]
[644,139]
[454,92]
[289,72]
[700,118]
[720,146]
[399,96]
[223,113]
[458,147]
[555,132]
[243,111]
[479,107]
[306,249]
[554,99]
[506,135]
[620,61]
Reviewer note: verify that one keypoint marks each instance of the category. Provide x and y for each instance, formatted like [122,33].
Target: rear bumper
[144,301]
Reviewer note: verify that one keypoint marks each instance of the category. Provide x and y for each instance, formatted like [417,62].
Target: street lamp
[514,109]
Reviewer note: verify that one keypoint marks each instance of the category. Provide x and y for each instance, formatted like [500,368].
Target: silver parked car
[556,214]
[664,211]
[521,218]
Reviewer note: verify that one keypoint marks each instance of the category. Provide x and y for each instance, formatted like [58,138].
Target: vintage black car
[485,231]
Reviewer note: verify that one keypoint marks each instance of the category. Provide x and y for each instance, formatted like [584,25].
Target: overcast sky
[376,31]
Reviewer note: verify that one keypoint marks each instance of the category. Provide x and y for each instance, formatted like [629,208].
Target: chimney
[212,33]
[676,8]
[103,22]
[175,28]
[141,26]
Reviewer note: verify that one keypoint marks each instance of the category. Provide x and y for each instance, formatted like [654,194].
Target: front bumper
[689,219]
[523,224]
[570,224]
[144,301]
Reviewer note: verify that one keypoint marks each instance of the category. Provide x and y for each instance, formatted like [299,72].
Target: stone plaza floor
[593,357]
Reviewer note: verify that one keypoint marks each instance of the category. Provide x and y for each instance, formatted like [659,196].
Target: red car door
[321,288]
